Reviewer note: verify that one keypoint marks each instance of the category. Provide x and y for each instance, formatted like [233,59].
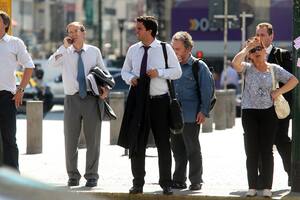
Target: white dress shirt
[67,58]
[156,60]
[268,51]
[13,54]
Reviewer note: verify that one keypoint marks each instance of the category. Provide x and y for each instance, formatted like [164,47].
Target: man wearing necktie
[76,58]
[147,103]
[283,58]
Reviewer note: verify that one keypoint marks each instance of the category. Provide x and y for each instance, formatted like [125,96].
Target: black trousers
[260,127]
[283,144]
[159,125]
[8,130]
[186,148]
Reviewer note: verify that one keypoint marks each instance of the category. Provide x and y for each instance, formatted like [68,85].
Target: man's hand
[18,98]
[152,73]
[134,82]
[68,41]
[200,119]
[275,93]
[103,91]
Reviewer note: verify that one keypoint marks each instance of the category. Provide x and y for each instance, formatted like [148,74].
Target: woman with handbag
[259,118]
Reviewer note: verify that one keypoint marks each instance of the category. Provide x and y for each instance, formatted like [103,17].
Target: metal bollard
[34,114]
[220,110]
[230,108]
[117,102]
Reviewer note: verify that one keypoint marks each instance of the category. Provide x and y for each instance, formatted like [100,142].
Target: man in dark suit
[283,58]
[148,102]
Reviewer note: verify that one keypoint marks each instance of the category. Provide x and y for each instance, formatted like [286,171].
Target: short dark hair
[266,25]
[6,19]
[150,23]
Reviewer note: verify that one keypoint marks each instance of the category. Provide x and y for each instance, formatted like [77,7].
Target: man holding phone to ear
[76,59]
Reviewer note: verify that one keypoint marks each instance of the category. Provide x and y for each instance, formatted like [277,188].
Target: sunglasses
[258,48]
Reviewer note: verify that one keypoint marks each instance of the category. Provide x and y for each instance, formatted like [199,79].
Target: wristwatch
[20,89]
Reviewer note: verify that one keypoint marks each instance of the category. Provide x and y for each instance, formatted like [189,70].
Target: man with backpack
[195,91]
[283,58]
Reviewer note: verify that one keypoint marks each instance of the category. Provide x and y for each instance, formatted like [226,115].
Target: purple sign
[281,15]
[192,16]
[195,21]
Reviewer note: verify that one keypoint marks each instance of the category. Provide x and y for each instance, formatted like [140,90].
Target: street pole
[225,42]
[100,25]
[296,107]
[244,17]
[225,17]
[121,27]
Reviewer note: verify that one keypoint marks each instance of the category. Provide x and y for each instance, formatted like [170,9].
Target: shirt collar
[5,38]
[190,60]
[269,49]
[155,43]
[84,48]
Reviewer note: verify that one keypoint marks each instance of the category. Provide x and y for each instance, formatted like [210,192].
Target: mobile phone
[70,40]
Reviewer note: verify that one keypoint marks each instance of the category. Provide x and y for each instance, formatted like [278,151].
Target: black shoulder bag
[176,123]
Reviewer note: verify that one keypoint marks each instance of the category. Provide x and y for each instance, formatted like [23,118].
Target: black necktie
[144,62]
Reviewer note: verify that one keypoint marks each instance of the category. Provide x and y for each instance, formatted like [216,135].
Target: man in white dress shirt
[76,59]
[12,53]
[145,70]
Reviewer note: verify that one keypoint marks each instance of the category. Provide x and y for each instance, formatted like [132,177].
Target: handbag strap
[170,82]
[273,77]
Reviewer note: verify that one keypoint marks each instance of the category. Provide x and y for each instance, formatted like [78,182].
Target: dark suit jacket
[135,123]
[283,58]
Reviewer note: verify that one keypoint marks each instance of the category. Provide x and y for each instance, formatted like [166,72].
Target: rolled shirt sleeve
[174,70]
[23,56]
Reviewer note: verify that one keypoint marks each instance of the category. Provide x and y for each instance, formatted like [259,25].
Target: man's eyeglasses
[258,48]
[73,32]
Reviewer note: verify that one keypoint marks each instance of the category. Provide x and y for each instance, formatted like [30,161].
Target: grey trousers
[79,111]
[186,148]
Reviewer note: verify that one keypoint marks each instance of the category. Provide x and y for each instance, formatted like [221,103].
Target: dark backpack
[195,69]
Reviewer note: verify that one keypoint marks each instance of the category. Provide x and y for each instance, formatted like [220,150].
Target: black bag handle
[170,82]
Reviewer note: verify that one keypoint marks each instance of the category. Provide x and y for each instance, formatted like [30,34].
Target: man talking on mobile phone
[76,58]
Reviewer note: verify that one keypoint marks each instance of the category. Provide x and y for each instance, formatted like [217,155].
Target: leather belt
[88,93]
[4,92]
[159,96]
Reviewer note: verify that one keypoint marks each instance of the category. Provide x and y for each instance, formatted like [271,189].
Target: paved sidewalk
[223,163]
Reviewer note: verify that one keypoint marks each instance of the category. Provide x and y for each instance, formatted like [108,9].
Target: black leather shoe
[136,190]
[73,182]
[195,187]
[92,182]
[167,190]
[178,185]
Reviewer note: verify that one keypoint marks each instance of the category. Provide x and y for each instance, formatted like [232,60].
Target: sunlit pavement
[224,170]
